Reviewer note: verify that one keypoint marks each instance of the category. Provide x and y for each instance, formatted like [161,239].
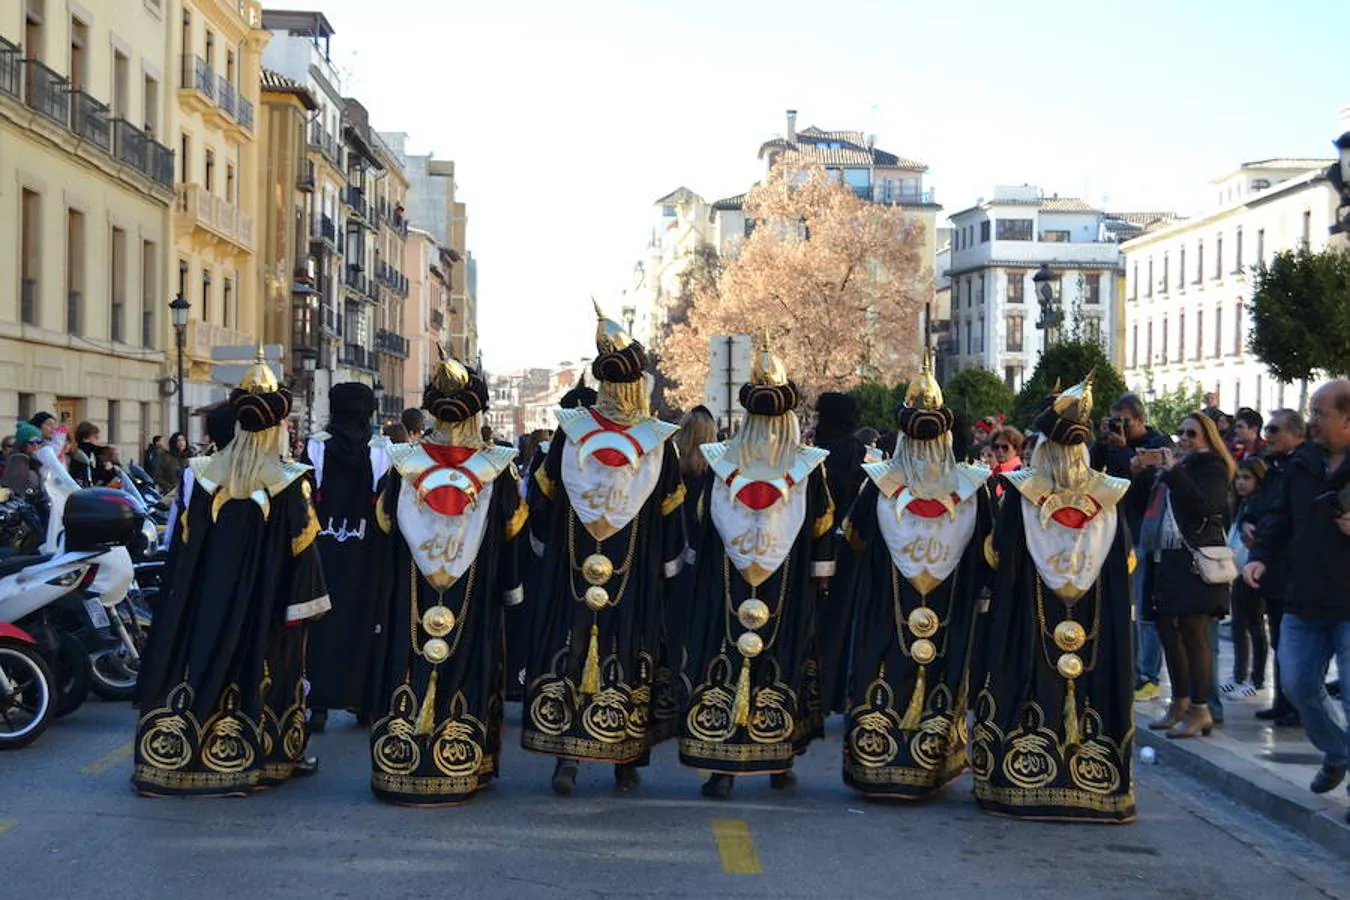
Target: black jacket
[1198,488]
[1301,525]
[1116,461]
[1274,582]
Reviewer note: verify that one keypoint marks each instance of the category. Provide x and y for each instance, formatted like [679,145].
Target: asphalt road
[71,827]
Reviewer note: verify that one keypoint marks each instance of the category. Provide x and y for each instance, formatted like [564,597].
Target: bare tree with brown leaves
[838,283]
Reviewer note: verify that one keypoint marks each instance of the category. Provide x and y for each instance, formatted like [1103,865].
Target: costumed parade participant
[222,680]
[919,526]
[755,701]
[454,510]
[348,467]
[1053,718]
[603,511]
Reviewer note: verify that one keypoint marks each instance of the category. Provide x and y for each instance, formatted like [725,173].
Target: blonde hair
[1215,441]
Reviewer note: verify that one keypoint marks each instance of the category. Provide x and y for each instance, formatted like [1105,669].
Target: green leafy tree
[1300,311]
[1166,410]
[1067,362]
[978,393]
[876,404]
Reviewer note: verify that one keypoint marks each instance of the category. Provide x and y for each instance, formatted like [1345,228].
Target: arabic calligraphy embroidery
[344,532]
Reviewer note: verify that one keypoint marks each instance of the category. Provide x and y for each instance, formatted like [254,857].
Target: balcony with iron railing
[46,91]
[324,230]
[393,344]
[11,68]
[304,181]
[198,208]
[197,83]
[89,119]
[437,320]
[356,356]
[244,113]
[225,96]
[894,194]
[391,406]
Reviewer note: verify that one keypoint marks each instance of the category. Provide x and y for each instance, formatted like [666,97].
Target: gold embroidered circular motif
[597,598]
[1070,665]
[396,754]
[551,710]
[923,622]
[750,644]
[923,650]
[1070,636]
[438,621]
[166,745]
[436,650]
[753,613]
[597,569]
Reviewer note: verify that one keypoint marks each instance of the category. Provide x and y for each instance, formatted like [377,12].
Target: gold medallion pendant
[597,598]
[923,650]
[1069,665]
[753,613]
[436,650]
[923,622]
[438,621]
[597,569]
[750,645]
[1070,636]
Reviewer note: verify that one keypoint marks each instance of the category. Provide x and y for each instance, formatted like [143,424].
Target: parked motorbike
[26,689]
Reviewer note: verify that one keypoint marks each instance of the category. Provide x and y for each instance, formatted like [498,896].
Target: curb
[1321,821]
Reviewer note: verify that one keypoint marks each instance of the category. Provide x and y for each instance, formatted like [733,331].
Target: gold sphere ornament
[1070,636]
[923,650]
[923,622]
[1070,665]
[750,645]
[753,613]
[438,621]
[436,650]
[596,597]
[597,569]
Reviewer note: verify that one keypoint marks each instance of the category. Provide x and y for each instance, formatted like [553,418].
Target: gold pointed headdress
[259,377]
[767,368]
[450,376]
[769,392]
[923,391]
[1075,403]
[609,335]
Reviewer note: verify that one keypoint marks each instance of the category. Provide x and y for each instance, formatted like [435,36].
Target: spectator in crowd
[87,441]
[962,436]
[1247,440]
[986,452]
[1311,522]
[415,423]
[46,423]
[397,434]
[23,474]
[1188,509]
[1006,443]
[152,452]
[168,470]
[1284,434]
[6,448]
[1249,622]
[1123,434]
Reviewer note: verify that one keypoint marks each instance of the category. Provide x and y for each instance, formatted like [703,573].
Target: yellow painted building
[391,233]
[86,184]
[213,129]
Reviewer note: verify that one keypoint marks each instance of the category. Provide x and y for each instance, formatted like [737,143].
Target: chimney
[792,126]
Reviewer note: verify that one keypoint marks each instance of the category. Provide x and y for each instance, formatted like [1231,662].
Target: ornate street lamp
[1338,173]
[179,310]
[310,363]
[1051,314]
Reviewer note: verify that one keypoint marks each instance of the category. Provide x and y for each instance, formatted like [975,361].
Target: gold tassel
[590,675]
[914,714]
[426,719]
[1071,732]
[740,708]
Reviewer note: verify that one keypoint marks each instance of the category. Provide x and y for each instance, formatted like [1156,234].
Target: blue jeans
[1147,648]
[1306,649]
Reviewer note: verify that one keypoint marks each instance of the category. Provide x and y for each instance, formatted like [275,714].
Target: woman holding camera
[1188,514]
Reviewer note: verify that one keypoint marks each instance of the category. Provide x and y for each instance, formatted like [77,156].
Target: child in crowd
[1250,644]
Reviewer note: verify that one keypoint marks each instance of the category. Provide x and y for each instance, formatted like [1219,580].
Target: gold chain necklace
[438,621]
[753,614]
[1070,638]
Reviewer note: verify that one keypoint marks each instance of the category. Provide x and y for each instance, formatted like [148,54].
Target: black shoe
[782,780]
[626,777]
[1327,779]
[318,720]
[564,777]
[1270,715]
[306,767]
[1289,720]
[718,787]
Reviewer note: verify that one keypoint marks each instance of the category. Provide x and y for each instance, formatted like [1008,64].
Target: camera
[1115,425]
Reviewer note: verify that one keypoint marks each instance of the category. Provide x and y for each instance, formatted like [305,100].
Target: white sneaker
[1246,689]
[1229,687]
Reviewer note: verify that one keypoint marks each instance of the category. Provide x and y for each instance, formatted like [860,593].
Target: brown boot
[1176,710]
[1196,721]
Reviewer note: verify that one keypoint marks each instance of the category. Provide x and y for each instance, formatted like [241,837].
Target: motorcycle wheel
[112,672]
[72,676]
[26,711]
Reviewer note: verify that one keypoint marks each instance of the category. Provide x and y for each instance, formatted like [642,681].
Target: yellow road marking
[7,824]
[104,763]
[736,847]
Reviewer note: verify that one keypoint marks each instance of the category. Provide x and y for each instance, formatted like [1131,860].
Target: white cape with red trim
[607,498]
[927,549]
[1068,559]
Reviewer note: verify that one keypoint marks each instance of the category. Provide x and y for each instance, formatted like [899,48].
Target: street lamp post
[1051,315]
[179,310]
[1338,173]
[310,364]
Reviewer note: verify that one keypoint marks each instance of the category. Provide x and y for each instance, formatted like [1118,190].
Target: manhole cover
[1290,757]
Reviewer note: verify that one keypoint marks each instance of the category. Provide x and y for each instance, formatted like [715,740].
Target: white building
[996,247]
[1188,284]
[683,226]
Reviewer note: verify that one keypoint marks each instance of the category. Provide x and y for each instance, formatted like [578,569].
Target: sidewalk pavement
[1253,762]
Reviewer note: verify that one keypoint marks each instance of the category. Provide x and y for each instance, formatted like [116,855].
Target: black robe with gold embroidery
[785,710]
[437,739]
[627,714]
[1039,751]
[898,743]
[222,692]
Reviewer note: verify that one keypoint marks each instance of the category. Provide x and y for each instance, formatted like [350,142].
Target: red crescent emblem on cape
[448,501]
[1073,518]
[758,495]
[929,509]
[612,458]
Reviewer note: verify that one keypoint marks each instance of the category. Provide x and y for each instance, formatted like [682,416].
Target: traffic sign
[234,373]
[248,352]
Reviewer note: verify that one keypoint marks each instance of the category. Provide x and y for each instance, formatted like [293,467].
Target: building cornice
[1033,264]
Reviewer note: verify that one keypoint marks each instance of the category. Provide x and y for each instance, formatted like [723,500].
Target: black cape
[438,740]
[342,643]
[845,476]
[1025,765]
[630,712]
[884,754]
[222,694]
[785,712]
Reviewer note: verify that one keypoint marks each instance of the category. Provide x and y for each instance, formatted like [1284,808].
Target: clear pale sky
[567,120]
